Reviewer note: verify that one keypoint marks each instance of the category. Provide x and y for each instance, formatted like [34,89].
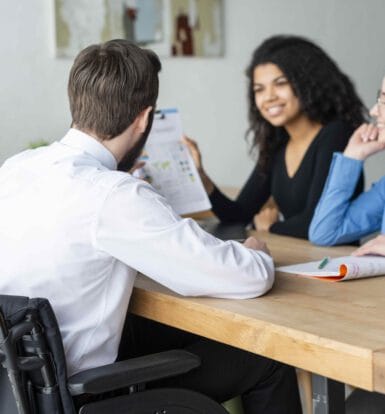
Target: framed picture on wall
[169,27]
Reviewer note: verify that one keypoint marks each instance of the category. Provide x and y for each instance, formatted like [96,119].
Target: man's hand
[255,244]
[137,166]
[364,142]
[264,219]
[374,246]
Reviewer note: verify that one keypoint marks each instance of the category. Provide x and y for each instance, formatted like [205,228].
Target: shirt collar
[80,140]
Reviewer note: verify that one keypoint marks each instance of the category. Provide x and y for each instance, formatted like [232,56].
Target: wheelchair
[33,377]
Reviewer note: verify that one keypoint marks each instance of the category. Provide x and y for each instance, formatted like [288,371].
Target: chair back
[33,376]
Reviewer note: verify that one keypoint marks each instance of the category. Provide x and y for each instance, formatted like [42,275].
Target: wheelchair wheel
[157,401]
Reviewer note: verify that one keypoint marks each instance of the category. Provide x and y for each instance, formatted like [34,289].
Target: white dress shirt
[74,230]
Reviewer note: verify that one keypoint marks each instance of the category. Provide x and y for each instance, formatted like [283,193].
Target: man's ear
[141,121]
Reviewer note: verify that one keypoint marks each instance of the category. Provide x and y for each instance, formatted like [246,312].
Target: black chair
[33,377]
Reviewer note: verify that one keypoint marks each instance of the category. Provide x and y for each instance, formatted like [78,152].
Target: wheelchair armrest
[132,371]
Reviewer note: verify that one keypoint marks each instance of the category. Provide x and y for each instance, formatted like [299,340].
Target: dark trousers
[266,386]
[361,401]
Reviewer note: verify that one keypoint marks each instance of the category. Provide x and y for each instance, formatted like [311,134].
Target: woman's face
[378,112]
[274,96]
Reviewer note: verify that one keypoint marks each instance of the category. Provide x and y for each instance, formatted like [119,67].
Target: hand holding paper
[197,157]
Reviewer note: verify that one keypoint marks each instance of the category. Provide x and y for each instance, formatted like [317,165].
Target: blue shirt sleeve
[338,220]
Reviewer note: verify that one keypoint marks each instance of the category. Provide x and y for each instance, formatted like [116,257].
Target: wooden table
[336,330]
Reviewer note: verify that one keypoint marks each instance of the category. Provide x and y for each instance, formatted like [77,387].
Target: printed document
[169,166]
[340,268]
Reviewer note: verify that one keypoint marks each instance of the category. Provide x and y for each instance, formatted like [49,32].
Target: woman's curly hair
[324,92]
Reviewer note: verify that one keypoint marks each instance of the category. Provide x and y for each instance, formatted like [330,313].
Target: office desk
[336,330]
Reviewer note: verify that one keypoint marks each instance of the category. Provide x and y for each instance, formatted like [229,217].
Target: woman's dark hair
[110,84]
[324,92]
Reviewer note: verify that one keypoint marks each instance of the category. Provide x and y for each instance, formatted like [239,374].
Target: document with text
[169,166]
[340,268]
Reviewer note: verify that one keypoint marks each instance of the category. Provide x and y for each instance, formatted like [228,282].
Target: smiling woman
[274,96]
[302,108]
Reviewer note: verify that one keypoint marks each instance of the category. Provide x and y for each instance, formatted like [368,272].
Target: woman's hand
[194,151]
[266,218]
[374,246]
[197,158]
[364,142]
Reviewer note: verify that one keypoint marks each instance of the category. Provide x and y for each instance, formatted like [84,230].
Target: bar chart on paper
[169,167]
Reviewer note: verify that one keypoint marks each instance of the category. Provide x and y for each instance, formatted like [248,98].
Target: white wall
[211,93]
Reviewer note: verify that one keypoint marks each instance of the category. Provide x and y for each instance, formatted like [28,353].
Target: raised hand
[194,151]
[364,142]
[197,158]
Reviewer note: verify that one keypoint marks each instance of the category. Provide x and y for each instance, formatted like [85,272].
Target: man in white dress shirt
[75,229]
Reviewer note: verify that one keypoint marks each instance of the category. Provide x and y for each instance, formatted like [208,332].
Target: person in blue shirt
[337,219]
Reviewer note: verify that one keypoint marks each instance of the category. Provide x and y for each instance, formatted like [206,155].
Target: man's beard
[133,154]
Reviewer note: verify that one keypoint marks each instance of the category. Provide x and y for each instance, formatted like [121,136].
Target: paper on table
[340,268]
[169,166]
